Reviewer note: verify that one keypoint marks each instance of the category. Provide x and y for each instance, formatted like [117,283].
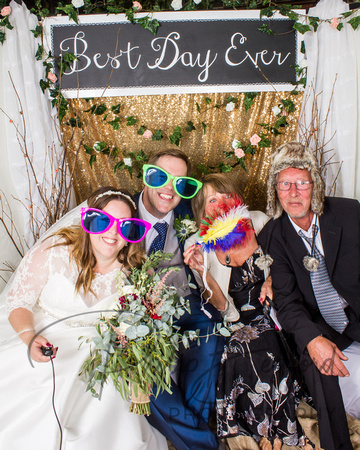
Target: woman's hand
[35,346]
[266,290]
[194,258]
[36,351]
[22,320]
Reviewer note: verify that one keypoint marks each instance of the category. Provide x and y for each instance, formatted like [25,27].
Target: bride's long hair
[131,255]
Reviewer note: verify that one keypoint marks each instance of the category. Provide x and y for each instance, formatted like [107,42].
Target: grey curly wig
[295,155]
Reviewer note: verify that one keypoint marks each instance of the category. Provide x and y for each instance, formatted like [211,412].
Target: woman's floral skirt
[257,395]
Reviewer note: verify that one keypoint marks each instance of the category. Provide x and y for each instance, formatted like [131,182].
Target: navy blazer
[298,312]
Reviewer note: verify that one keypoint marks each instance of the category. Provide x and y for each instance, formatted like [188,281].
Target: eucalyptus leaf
[131,333]
[142,330]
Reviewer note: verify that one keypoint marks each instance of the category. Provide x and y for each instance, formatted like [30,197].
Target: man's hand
[327,357]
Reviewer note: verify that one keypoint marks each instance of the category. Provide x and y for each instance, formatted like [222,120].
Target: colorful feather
[225,227]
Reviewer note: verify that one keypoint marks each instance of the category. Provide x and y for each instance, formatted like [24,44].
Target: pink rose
[137,5]
[334,22]
[239,153]
[255,139]
[5,11]
[52,77]
[148,134]
[284,113]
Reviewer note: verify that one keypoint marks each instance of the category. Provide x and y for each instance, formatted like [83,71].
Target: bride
[56,296]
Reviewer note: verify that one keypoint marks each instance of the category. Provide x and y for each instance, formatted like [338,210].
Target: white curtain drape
[333,59]
[32,121]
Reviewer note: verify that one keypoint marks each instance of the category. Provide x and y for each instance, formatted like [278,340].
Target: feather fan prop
[225,227]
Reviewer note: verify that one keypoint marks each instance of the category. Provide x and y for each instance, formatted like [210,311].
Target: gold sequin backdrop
[165,112]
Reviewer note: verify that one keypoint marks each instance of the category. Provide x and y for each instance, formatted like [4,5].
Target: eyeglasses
[95,221]
[155,177]
[300,185]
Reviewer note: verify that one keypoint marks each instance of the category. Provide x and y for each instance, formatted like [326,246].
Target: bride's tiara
[116,193]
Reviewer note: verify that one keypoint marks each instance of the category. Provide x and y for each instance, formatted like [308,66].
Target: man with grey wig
[315,244]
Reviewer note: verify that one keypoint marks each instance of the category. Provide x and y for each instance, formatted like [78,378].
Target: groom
[182,416]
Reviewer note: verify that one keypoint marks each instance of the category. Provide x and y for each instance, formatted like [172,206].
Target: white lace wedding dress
[44,283]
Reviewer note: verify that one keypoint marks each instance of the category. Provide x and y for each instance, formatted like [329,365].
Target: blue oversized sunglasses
[155,177]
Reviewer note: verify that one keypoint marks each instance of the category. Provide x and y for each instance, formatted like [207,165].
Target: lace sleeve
[30,278]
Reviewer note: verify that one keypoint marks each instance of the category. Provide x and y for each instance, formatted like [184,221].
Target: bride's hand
[35,347]
[194,258]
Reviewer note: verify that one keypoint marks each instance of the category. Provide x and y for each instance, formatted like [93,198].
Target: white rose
[230,106]
[190,224]
[235,144]
[176,4]
[128,162]
[276,110]
[77,3]
[128,289]
[197,1]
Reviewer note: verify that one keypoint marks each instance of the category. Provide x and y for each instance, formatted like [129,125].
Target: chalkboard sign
[201,51]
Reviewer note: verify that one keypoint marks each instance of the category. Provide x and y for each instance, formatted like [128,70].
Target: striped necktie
[328,300]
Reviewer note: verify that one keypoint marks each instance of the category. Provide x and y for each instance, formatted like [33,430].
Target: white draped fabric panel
[41,137]
[335,55]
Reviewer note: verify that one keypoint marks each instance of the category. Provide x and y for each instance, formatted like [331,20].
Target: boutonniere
[184,227]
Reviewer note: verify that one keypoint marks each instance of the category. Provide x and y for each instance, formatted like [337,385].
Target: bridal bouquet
[136,345]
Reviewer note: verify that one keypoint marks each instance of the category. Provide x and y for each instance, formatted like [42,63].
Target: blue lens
[132,230]
[186,188]
[155,177]
[95,222]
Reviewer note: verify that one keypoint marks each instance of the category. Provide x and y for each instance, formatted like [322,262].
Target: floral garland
[268,9]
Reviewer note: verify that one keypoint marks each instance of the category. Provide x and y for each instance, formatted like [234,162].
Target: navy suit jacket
[298,312]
